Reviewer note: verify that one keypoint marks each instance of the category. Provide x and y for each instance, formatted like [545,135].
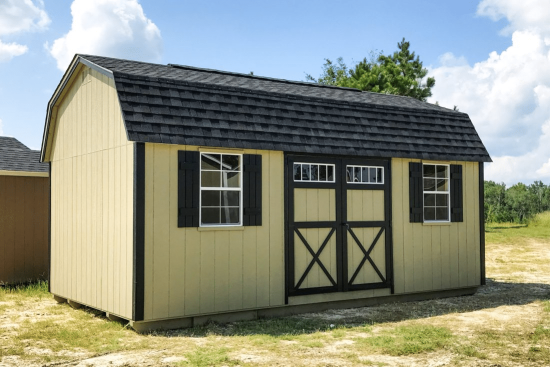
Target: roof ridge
[271,79]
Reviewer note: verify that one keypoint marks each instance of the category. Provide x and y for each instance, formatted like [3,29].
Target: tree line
[517,203]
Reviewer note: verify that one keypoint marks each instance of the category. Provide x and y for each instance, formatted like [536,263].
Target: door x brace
[315,257]
[366,256]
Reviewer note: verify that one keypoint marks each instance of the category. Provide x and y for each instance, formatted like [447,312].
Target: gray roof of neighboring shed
[15,156]
[176,104]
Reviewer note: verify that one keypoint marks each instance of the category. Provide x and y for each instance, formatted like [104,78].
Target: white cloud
[10,50]
[1,128]
[507,95]
[18,16]
[22,16]
[116,28]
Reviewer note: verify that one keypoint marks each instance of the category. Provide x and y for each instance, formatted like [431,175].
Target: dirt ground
[498,326]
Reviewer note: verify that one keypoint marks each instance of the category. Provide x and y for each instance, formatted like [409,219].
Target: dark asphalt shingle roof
[15,156]
[185,105]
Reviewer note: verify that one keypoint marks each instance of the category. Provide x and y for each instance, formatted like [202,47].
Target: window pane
[429,184]
[210,198]
[372,175]
[230,215]
[314,173]
[442,171]
[322,173]
[210,179]
[230,198]
[349,174]
[379,175]
[210,161]
[210,216]
[429,199]
[231,162]
[357,174]
[231,179]
[429,170]
[305,172]
[429,213]
[442,184]
[364,174]
[441,199]
[297,172]
[330,173]
[442,213]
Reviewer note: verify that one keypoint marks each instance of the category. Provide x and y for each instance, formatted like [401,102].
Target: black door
[338,234]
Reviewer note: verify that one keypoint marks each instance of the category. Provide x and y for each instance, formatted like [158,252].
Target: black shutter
[252,190]
[188,188]
[456,193]
[416,198]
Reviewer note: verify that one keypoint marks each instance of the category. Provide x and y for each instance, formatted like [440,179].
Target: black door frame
[339,226]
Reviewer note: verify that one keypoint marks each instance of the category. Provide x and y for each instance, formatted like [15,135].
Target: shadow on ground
[491,295]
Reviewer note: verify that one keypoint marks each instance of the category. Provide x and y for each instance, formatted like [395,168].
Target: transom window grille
[365,174]
[436,192]
[313,172]
[221,189]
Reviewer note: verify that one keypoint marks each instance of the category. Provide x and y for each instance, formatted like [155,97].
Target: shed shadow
[493,294]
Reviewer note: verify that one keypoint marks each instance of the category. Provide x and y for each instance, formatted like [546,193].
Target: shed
[182,194]
[24,200]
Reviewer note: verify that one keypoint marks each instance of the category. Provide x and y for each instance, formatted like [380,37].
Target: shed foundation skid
[186,322]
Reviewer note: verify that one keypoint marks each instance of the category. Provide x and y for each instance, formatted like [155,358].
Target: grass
[465,330]
[508,233]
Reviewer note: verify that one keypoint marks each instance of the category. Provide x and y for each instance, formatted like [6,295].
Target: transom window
[436,192]
[313,172]
[221,189]
[365,174]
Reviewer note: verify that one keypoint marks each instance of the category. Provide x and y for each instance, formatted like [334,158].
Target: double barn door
[339,233]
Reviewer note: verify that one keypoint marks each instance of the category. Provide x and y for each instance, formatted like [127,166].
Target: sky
[490,58]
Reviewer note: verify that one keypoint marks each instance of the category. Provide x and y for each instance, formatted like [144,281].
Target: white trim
[316,164]
[24,173]
[368,182]
[447,192]
[77,60]
[238,189]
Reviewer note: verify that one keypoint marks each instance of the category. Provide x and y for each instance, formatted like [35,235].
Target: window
[313,172]
[435,178]
[220,189]
[365,174]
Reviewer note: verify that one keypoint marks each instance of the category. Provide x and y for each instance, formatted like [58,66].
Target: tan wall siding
[23,228]
[190,271]
[432,257]
[92,198]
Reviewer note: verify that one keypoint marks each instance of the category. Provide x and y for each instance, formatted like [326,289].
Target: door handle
[346,225]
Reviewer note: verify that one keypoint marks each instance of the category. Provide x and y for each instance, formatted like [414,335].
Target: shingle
[236,110]
[15,156]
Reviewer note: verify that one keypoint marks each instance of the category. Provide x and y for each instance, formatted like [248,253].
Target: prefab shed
[24,200]
[182,194]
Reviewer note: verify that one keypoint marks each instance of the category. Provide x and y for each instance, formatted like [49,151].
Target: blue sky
[485,54]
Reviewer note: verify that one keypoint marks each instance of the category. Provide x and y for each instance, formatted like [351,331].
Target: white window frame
[316,164]
[448,192]
[365,183]
[239,189]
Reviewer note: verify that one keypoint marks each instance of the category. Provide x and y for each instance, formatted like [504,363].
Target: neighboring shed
[182,194]
[24,200]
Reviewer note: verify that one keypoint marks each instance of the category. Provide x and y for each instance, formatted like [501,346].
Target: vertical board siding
[190,271]
[23,228]
[92,197]
[435,257]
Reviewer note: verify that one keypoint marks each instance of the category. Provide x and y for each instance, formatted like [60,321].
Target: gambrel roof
[15,156]
[176,104]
